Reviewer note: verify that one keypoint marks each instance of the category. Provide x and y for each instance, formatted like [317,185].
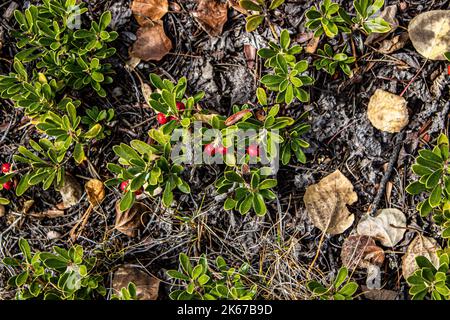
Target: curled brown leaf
[152,43]
[147,287]
[361,252]
[211,15]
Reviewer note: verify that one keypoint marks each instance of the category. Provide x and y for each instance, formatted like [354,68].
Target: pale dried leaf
[95,191]
[387,111]
[71,192]
[129,222]
[145,10]
[50,213]
[211,15]
[147,287]
[388,226]
[27,206]
[430,33]
[151,44]
[2,210]
[396,43]
[326,203]
[312,45]
[420,246]
[53,235]
[359,252]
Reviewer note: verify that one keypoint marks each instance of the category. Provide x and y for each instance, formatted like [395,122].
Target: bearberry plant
[330,61]
[288,76]
[58,275]
[260,10]
[58,55]
[432,168]
[202,282]
[429,281]
[341,288]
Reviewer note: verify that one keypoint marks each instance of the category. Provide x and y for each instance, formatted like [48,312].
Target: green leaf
[435,197]
[78,153]
[185,263]
[197,272]
[415,188]
[127,201]
[259,204]
[229,204]
[253,22]
[340,277]
[25,248]
[285,39]
[250,5]
[246,204]
[105,20]
[267,184]
[233,176]
[23,185]
[167,196]
[262,97]
[275,4]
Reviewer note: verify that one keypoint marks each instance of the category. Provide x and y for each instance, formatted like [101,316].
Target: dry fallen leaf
[387,111]
[147,287]
[326,203]
[95,191]
[250,55]
[396,43]
[236,117]
[312,45]
[129,222]
[388,226]
[379,294]
[144,10]
[389,15]
[359,252]
[211,15]
[420,246]
[152,43]
[2,210]
[53,235]
[50,213]
[71,191]
[430,33]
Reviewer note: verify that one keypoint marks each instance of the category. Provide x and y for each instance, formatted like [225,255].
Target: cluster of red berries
[124,185]
[211,150]
[6,168]
[163,119]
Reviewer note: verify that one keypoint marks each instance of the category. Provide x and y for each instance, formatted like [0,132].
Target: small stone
[53,235]
[387,111]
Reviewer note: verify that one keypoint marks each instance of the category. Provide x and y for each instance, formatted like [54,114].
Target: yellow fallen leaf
[326,203]
[430,33]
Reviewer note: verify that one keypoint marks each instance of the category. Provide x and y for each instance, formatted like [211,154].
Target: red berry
[7,185]
[162,119]
[448,70]
[252,150]
[181,106]
[124,185]
[172,118]
[138,192]
[210,149]
[222,150]
[6,167]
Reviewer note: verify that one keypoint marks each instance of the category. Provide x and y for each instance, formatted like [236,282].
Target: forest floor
[281,245]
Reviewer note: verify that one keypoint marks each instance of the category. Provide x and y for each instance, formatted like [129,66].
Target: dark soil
[281,245]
